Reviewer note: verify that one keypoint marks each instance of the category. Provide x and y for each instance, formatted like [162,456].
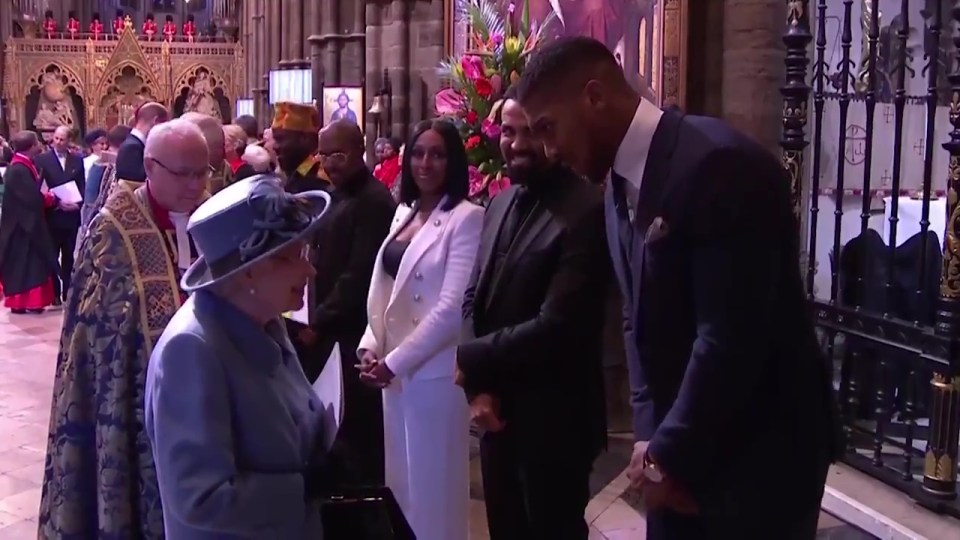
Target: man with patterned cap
[294,131]
[99,476]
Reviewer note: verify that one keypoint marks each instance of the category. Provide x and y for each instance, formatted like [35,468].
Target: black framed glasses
[207,172]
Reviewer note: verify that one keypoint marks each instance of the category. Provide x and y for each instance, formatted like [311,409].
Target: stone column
[6,30]
[329,27]
[352,47]
[753,68]
[295,28]
[273,31]
[406,39]
[286,20]
[427,50]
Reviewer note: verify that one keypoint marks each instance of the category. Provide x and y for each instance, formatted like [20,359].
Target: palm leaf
[446,69]
[483,17]
[546,23]
[525,16]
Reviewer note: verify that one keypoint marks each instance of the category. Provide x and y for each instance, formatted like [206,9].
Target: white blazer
[422,308]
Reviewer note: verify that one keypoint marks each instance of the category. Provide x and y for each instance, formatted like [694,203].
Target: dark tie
[618,185]
[522,205]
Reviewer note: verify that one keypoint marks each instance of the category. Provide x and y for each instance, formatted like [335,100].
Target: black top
[392,255]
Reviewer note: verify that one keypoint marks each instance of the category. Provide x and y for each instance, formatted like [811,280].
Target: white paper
[68,193]
[329,390]
[301,315]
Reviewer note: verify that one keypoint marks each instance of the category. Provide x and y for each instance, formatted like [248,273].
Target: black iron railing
[889,315]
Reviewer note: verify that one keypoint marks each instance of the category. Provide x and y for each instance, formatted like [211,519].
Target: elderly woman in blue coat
[234,424]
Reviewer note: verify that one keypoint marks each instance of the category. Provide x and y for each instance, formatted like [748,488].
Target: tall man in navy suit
[733,406]
[58,166]
[130,154]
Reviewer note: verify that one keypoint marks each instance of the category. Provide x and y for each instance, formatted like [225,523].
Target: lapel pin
[436,223]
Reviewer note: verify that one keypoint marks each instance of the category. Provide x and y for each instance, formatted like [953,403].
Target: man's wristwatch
[650,470]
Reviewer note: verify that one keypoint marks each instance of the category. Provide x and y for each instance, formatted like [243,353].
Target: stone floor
[28,350]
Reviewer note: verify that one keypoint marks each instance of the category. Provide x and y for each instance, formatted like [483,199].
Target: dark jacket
[532,331]
[724,363]
[346,245]
[51,172]
[130,160]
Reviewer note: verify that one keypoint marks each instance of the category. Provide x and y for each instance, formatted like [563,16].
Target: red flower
[483,87]
[472,142]
[472,117]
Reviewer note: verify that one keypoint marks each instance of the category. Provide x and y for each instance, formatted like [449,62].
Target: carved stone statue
[54,108]
[201,99]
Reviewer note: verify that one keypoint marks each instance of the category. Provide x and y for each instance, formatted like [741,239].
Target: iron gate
[879,207]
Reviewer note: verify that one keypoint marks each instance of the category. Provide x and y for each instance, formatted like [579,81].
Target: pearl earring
[253,292]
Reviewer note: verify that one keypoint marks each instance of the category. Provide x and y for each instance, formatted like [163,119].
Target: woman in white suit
[409,346]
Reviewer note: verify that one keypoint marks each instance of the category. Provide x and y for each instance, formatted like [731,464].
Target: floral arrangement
[497,50]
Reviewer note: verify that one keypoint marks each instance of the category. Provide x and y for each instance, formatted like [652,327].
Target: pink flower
[448,101]
[497,185]
[497,38]
[490,129]
[472,67]
[497,83]
[476,180]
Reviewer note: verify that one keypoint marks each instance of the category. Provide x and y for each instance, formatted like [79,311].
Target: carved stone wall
[753,68]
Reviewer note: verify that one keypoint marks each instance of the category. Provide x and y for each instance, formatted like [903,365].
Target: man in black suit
[346,245]
[530,358]
[733,405]
[58,166]
[130,154]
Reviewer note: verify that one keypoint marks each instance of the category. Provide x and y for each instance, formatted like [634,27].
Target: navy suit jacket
[130,160]
[51,172]
[728,384]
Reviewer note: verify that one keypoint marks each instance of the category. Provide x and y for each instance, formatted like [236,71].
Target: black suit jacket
[725,370]
[130,160]
[532,337]
[346,245]
[51,172]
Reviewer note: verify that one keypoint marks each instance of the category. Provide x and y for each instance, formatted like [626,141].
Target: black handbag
[363,513]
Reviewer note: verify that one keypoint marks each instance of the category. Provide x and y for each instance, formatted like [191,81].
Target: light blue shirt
[234,425]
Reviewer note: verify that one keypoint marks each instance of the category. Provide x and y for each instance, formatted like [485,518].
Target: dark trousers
[533,493]
[762,525]
[360,439]
[64,244]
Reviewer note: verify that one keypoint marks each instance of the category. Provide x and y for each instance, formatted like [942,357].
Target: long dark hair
[458,180]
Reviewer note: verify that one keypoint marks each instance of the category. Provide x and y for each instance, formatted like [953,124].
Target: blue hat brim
[200,276]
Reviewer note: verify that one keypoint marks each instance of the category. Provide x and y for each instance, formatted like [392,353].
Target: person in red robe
[189,29]
[73,25]
[96,26]
[169,29]
[27,264]
[118,23]
[388,169]
[149,27]
[49,25]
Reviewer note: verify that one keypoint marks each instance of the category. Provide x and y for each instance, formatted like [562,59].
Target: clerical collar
[160,214]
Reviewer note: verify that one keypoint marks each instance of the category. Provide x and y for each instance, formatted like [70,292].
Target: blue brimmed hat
[245,222]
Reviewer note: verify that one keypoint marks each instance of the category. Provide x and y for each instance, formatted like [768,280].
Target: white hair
[175,130]
[63,130]
[257,157]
